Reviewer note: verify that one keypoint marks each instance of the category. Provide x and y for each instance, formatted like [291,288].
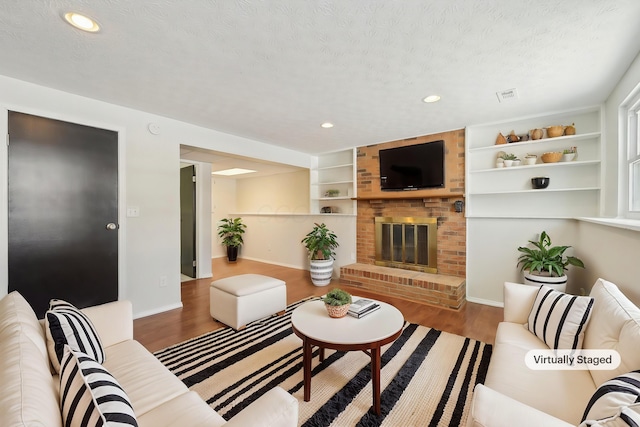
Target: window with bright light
[630,170]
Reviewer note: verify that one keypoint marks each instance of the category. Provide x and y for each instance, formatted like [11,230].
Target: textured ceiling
[275,70]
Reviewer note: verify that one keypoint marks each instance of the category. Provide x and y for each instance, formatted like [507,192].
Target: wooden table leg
[375,378]
[307,355]
[321,354]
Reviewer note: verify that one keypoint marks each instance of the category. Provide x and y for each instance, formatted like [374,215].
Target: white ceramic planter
[321,271]
[557,283]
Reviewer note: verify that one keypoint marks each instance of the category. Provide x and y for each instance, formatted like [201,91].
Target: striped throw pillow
[66,325]
[559,319]
[90,396]
[616,402]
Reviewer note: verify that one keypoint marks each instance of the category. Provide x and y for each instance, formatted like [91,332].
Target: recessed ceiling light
[232,171]
[82,22]
[327,125]
[431,98]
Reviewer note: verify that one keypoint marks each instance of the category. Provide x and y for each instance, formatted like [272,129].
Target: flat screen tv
[412,167]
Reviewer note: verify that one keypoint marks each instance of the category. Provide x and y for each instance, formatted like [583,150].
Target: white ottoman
[238,300]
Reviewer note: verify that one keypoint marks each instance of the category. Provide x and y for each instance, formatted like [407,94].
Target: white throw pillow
[90,396]
[559,319]
[66,325]
[615,401]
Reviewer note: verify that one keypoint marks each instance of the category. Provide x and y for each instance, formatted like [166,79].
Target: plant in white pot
[546,264]
[230,231]
[320,243]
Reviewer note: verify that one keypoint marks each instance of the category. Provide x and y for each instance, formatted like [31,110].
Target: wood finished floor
[162,330]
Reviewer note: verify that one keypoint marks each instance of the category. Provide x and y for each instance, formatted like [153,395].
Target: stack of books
[362,307]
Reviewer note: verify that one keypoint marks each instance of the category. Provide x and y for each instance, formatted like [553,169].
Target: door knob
[112,226]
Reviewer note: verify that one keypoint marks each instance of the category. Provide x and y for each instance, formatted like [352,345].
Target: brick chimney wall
[373,202]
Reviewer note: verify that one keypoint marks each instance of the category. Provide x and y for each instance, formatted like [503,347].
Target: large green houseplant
[230,231]
[321,244]
[546,264]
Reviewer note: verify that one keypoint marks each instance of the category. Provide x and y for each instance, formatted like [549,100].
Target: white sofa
[29,395]
[513,394]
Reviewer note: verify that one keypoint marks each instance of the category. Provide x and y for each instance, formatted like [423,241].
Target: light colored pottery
[337,311]
[321,271]
[508,163]
[568,157]
[536,133]
[557,283]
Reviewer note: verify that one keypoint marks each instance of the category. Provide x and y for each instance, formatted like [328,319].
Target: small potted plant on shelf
[509,159]
[337,302]
[568,154]
[320,243]
[231,231]
[546,264]
[332,193]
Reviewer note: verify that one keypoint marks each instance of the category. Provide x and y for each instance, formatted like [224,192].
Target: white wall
[276,238]
[223,203]
[280,193]
[492,252]
[151,242]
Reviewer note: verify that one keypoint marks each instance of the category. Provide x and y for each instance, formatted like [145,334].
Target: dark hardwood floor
[161,330]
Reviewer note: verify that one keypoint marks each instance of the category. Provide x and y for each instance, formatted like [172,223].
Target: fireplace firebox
[407,242]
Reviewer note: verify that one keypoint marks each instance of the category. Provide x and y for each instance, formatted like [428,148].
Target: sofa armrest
[518,300]
[113,321]
[492,409]
[276,408]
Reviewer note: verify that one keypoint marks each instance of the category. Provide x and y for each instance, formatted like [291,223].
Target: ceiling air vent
[507,95]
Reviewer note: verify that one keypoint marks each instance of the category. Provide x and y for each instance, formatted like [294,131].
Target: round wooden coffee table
[313,325]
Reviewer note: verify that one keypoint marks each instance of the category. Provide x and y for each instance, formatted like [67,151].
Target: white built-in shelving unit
[334,171]
[574,189]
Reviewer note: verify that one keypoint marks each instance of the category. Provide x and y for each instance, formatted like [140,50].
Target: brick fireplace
[445,286]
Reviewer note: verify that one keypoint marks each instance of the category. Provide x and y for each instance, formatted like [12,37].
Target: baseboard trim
[157,310]
[485,301]
[297,267]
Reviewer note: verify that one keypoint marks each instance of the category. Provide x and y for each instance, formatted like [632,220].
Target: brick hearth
[435,289]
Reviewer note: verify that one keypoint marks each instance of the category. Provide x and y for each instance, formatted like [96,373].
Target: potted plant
[546,264]
[320,243]
[337,302]
[231,231]
[509,159]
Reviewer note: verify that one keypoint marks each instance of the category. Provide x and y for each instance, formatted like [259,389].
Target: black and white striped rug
[427,376]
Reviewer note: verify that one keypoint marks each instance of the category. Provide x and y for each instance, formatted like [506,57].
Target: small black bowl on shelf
[540,182]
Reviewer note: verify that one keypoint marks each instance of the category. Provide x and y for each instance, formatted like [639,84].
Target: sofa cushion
[147,381]
[615,324]
[14,309]
[613,395]
[627,417]
[188,409]
[90,396]
[28,396]
[559,319]
[562,394]
[66,325]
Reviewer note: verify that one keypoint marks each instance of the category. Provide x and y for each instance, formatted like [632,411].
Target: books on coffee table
[362,307]
[361,304]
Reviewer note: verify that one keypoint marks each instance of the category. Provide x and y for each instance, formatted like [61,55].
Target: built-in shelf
[334,171]
[505,192]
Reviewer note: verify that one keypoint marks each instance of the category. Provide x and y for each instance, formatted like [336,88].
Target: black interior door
[188,221]
[63,211]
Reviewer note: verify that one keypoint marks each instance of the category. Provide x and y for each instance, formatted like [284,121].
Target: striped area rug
[427,376]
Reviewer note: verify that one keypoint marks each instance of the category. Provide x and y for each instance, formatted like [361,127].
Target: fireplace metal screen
[407,242]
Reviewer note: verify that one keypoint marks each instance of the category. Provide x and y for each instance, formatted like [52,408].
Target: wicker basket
[551,157]
[337,311]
